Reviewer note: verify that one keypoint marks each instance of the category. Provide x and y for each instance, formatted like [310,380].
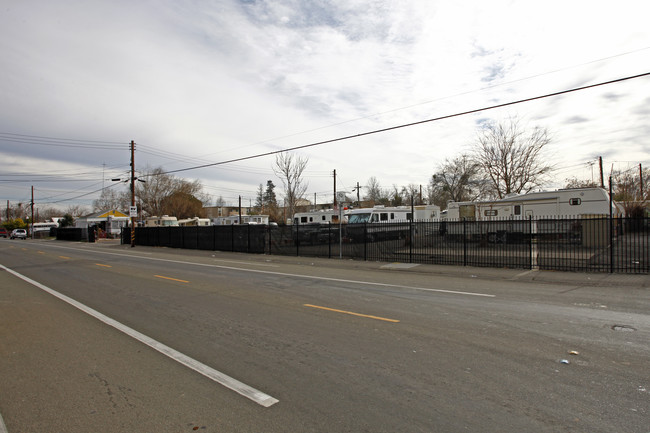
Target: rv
[317,217]
[245,219]
[400,216]
[562,203]
[544,214]
[393,214]
[196,221]
[163,221]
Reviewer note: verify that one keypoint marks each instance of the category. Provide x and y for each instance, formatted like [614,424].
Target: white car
[19,233]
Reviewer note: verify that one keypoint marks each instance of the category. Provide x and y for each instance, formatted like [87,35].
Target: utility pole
[335,189]
[132,193]
[358,198]
[641,182]
[602,179]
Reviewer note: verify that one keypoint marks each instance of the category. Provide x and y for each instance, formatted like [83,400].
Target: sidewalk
[524,275]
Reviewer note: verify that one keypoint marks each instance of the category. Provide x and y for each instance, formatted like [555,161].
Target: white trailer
[245,219]
[551,214]
[367,222]
[393,214]
[162,221]
[317,217]
[575,202]
[196,221]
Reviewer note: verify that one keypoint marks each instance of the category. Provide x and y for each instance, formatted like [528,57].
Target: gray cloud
[576,119]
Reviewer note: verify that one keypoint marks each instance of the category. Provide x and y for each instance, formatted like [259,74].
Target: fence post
[464,242]
[411,235]
[365,241]
[248,241]
[297,239]
[611,228]
[329,240]
[268,229]
[611,244]
[232,237]
[530,240]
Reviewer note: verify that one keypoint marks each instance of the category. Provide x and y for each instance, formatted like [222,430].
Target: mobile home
[377,215]
[196,221]
[161,221]
[573,202]
[317,217]
[551,214]
[393,214]
[245,219]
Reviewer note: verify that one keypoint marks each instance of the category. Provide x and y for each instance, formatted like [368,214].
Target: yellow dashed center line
[352,313]
[64,257]
[103,266]
[173,279]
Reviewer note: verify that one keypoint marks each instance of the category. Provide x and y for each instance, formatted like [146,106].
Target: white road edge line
[241,388]
[283,274]
[3,427]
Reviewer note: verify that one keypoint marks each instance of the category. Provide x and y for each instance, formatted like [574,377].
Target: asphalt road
[107,338]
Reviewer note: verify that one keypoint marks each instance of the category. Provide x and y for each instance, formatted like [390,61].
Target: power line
[439,99]
[406,125]
[56,141]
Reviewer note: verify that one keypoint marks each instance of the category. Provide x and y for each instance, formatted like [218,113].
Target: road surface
[107,338]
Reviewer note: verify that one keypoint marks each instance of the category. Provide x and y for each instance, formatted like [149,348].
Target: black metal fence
[568,244]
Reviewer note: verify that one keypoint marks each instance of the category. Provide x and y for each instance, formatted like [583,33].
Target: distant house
[110,222]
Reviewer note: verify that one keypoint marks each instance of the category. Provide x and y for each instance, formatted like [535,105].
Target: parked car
[3,232]
[19,234]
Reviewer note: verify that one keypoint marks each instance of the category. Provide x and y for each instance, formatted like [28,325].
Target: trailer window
[383,217]
[491,212]
[303,219]
[575,202]
[517,209]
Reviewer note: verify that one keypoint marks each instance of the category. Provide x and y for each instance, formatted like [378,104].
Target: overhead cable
[406,125]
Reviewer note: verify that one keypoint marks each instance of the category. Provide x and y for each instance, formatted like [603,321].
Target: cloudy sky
[201,82]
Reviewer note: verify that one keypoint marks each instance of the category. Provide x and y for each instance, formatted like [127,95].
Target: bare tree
[111,199]
[456,180]
[625,186]
[410,192]
[574,182]
[373,190]
[512,160]
[396,198]
[183,205]
[375,193]
[289,169]
[155,194]
[76,210]
[220,202]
